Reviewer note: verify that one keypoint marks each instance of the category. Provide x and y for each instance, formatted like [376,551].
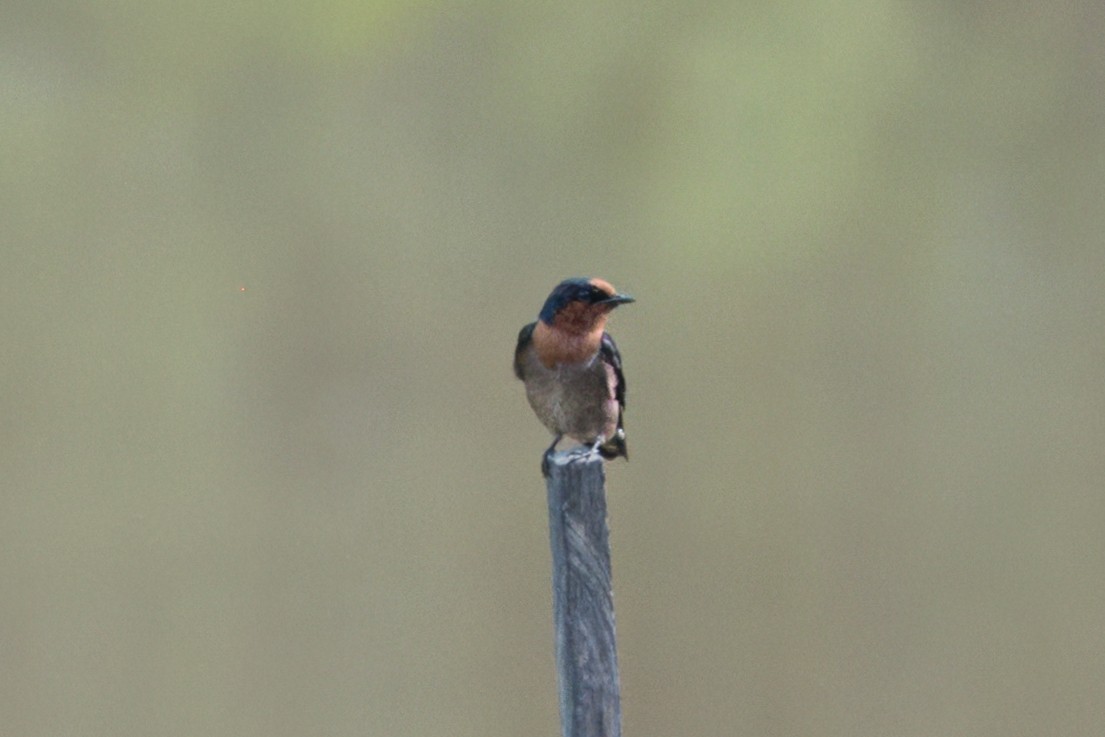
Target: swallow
[572,369]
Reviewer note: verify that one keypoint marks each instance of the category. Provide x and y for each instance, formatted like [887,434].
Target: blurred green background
[266,470]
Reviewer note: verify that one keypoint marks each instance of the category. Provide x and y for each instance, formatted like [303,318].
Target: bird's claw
[580,452]
[583,452]
[546,459]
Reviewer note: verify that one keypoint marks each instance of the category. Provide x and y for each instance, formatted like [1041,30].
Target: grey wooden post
[583,601]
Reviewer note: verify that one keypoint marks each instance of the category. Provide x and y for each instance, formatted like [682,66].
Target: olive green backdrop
[265,469]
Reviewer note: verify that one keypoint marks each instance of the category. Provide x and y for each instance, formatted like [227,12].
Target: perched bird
[572,369]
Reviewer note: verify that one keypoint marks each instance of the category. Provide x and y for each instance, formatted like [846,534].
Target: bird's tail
[615,447]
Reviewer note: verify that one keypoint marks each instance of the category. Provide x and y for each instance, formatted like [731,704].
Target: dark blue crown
[578,289]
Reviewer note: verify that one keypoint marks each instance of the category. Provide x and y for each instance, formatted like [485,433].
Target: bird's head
[581,306]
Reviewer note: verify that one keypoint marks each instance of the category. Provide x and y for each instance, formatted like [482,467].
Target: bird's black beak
[617,299]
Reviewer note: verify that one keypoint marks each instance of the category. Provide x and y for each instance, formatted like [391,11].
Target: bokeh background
[265,468]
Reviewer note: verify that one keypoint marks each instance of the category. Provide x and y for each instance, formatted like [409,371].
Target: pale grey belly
[574,401]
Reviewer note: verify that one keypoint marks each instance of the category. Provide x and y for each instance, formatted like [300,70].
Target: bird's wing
[525,339]
[610,354]
[608,350]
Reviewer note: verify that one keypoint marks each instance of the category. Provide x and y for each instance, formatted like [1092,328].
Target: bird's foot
[587,451]
[546,459]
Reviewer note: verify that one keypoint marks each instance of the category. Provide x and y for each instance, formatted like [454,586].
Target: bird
[572,369]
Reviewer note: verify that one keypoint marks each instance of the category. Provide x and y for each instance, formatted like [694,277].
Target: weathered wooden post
[583,600]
